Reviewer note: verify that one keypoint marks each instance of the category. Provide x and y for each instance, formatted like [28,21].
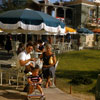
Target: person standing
[49,61]
[40,47]
[20,48]
[8,45]
[68,37]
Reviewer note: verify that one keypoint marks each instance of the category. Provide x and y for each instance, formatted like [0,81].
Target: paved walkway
[9,93]
[57,94]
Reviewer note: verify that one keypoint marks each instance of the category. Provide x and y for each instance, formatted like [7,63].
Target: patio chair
[69,46]
[62,47]
[0,77]
[4,74]
[81,47]
[21,78]
[53,79]
[17,76]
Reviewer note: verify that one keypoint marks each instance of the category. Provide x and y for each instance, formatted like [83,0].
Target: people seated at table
[68,37]
[49,61]
[25,58]
[40,46]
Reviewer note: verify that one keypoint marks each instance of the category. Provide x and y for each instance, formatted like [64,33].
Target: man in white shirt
[25,57]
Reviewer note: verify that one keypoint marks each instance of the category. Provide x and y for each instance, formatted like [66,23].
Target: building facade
[85,12]
[76,13]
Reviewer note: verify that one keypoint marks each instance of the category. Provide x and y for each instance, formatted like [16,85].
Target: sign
[98,1]
[60,18]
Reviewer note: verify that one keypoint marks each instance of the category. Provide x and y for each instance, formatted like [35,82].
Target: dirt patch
[84,96]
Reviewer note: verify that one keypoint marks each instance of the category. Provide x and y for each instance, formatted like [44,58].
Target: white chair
[21,78]
[4,75]
[0,77]
[56,64]
[54,78]
[82,46]
[17,76]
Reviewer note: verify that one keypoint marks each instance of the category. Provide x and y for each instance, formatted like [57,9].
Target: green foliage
[78,67]
[16,5]
[77,80]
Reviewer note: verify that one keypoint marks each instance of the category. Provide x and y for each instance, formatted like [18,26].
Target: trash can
[97,95]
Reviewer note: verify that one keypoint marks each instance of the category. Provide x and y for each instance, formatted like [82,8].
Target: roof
[76,2]
[35,1]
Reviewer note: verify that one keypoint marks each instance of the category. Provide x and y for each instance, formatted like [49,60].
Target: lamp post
[97,12]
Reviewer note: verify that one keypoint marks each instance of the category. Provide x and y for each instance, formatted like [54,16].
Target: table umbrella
[30,20]
[84,30]
[70,30]
[1,30]
[97,30]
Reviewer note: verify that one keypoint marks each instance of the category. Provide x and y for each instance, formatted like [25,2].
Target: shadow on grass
[73,73]
[93,90]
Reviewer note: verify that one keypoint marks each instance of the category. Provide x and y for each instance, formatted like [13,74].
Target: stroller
[34,82]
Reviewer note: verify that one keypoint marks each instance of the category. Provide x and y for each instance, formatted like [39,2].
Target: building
[86,12]
[76,13]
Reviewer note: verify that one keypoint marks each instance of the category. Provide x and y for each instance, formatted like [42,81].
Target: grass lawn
[85,63]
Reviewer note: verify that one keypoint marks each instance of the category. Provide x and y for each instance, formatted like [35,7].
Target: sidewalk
[57,94]
[9,93]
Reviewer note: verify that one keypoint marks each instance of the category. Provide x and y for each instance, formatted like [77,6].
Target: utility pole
[97,10]
[45,9]
[97,13]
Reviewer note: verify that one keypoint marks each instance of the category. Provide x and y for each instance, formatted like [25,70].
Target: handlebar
[35,84]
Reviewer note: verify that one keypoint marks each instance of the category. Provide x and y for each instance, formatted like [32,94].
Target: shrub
[77,80]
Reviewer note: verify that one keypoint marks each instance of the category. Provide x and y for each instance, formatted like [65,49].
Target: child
[35,80]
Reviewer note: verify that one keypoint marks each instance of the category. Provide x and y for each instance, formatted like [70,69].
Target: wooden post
[70,89]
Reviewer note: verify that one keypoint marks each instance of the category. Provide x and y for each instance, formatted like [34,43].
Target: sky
[54,0]
[0,2]
[40,0]
[57,0]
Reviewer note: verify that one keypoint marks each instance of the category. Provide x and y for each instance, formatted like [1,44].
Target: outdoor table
[56,45]
[56,48]
[37,54]
[40,63]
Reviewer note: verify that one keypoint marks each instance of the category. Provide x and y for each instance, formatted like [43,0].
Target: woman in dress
[49,61]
